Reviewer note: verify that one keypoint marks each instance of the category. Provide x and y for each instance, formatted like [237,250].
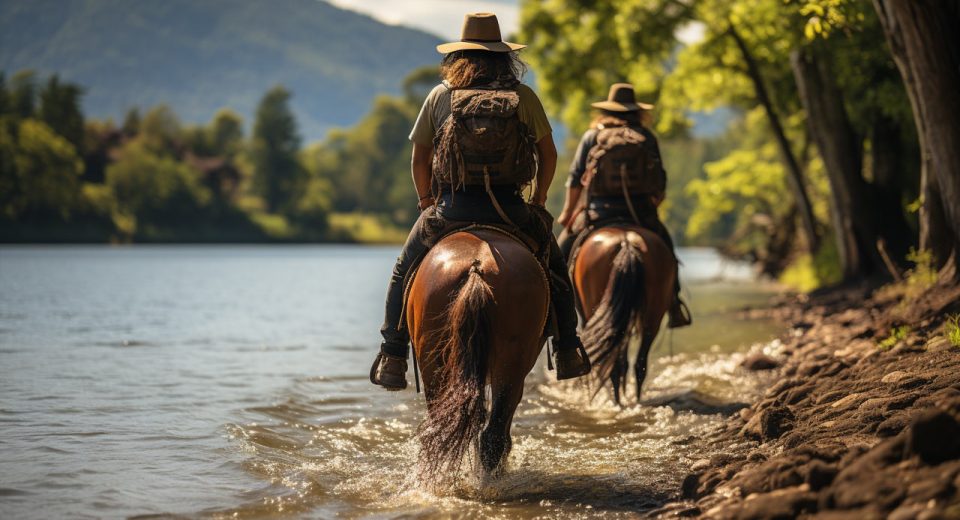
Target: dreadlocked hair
[477,67]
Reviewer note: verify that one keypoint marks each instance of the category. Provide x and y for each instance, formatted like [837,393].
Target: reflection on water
[221,380]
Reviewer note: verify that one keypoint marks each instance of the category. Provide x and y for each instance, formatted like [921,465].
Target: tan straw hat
[481,31]
[621,99]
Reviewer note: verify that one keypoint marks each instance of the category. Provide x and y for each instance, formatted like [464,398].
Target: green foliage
[916,281]
[897,334]
[60,110]
[808,272]
[39,171]
[923,275]
[131,122]
[160,130]
[951,329]
[225,133]
[368,166]
[366,228]
[154,190]
[277,172]
[4,96]
[23,94]
[579,48]
[824,17]
[742,194]
[311,209]
[222,137]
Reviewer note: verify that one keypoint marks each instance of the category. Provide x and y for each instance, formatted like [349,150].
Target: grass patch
[365,228]
[809,272]
[917,280]
[951,329]
[897,334]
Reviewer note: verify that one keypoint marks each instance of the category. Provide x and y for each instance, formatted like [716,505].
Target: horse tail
[607,333]
[459,413]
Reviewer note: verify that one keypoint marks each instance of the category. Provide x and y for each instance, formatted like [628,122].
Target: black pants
[430,227]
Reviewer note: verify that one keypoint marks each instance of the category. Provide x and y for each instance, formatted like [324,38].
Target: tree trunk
[922,38]
[842,152]
[888,165]
[794,173]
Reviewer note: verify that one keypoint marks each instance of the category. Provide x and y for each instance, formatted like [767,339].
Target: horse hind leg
[618,375]
[495,443]
[640,364]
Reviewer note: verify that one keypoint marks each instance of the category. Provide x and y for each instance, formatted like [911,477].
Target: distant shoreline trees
[67,179]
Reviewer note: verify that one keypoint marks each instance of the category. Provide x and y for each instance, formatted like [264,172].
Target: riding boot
[390,366]
[679,313]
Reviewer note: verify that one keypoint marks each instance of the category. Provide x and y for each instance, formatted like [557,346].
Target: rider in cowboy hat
[619,110]
[484,65]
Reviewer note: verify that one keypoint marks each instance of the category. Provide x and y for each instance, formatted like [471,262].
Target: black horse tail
[459,413]
[607,334]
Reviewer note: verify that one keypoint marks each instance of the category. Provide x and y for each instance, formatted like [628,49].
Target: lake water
[231,381]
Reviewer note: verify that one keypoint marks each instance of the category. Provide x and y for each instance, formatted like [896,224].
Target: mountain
[200,55]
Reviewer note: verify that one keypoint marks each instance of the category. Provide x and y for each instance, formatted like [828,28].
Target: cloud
[441,17]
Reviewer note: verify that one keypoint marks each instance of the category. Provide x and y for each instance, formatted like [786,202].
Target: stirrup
[572,363]
[389,372]
[679,315]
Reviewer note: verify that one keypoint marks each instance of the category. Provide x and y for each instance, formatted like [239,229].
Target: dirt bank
[864,422]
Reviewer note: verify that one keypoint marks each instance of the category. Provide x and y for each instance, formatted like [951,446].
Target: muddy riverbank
[862,422]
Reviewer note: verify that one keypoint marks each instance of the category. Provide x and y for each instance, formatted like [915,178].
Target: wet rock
[774,422]
[849,401]
[690,485]
[784,384]
[848,431]
[756,456]
[911,382]
[759,361]
[797,394]
[934,436]
[907,512]
[809,368]
[901,401]
[782,503]
[874,404]
[829,397]
[819,474]
[931,488]
[893,425]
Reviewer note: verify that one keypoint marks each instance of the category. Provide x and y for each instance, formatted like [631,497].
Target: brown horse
[624,278]
[475,311]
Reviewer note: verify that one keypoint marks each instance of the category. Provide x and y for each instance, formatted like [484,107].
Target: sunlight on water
[231,382]
[571,455]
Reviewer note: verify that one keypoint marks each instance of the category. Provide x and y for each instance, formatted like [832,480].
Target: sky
[445,17]
[441,17]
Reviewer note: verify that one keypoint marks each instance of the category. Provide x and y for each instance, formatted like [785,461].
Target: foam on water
[572,455]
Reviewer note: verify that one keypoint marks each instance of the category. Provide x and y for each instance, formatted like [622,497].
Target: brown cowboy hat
[481,31]
[621,99]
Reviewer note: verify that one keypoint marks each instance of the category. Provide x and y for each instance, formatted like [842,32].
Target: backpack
[621,163]
[483,140]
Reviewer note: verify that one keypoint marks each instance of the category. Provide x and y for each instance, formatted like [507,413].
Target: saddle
[591,226]
[514,233]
